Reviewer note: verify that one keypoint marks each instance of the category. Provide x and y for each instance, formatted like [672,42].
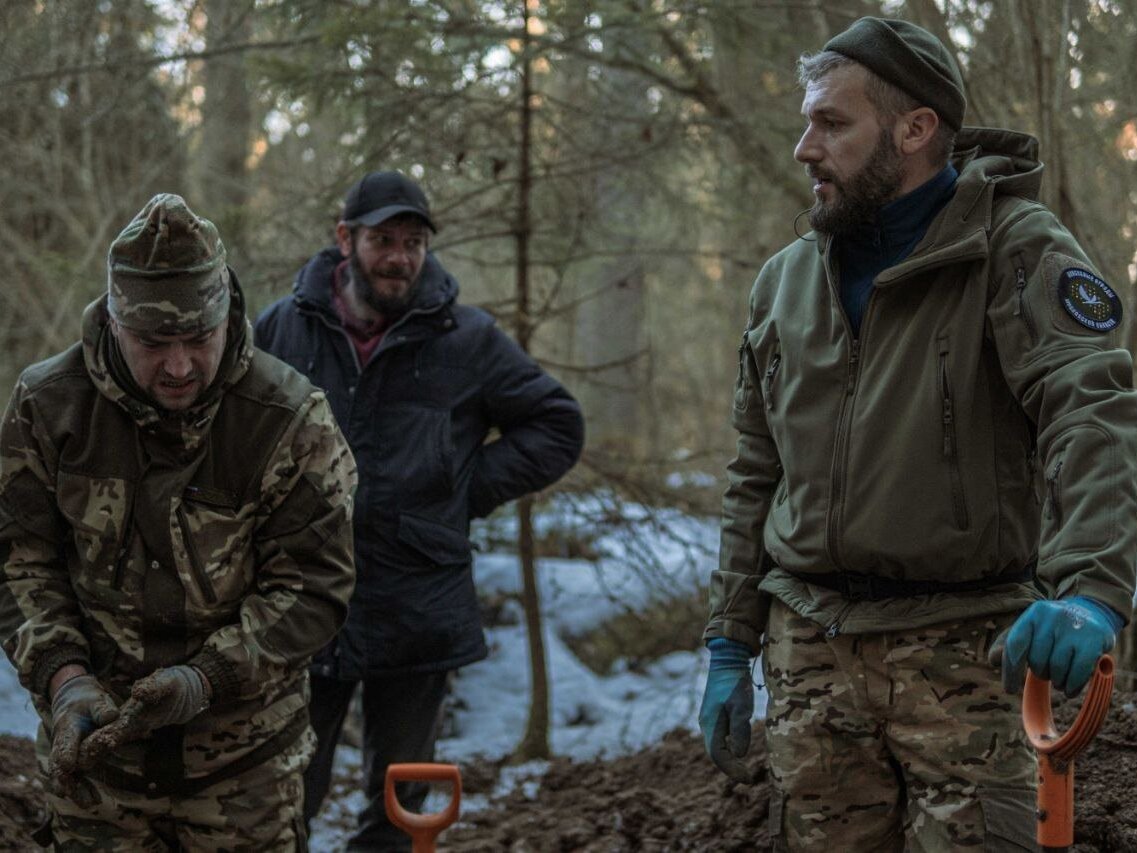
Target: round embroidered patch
[1089,300]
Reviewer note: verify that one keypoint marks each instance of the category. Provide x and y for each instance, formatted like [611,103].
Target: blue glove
[1061,640]
[728,704]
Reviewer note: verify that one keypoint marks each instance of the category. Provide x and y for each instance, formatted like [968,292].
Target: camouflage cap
[166,271]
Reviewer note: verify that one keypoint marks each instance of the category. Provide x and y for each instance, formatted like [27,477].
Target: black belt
[861,587]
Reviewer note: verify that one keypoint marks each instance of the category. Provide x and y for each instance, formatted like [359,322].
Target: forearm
[530,455]
[41,625]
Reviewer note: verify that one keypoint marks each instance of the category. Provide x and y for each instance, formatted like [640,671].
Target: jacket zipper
[127,533]
[768,379]
[841,438]
[1021,308]
[195,558]
[839,451]
[834,629]
[958,502]
[124,547]
[1054,491]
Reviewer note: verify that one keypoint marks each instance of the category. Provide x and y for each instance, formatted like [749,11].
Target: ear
[915,130]
[343,239]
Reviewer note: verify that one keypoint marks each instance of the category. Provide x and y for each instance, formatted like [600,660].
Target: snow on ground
[656,556]
[17,716]
[640,557]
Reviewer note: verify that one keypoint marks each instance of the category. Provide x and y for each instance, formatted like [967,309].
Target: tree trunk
[535,743]
[221,183]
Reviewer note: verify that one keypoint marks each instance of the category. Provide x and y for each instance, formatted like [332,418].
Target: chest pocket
[212,541]
[97,510]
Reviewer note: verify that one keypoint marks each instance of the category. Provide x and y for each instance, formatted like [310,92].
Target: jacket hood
[312,288]
[100,353]
[1006,158]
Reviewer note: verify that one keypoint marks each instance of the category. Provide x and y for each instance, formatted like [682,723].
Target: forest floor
[665,798]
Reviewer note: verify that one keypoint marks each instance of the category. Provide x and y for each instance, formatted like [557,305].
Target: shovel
[1056,752]
[422,828]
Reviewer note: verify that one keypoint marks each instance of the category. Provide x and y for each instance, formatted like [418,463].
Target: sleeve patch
[1089,300]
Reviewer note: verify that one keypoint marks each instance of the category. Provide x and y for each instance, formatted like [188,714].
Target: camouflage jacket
[218,537]
[984,420]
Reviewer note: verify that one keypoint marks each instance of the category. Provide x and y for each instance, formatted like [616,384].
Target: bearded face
[385,262]
[849,150]
[855,198]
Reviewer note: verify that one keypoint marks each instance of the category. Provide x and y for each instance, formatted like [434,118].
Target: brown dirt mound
[670,798]
[21,794]
[667,798]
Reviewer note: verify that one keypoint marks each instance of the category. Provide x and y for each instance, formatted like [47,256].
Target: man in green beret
[175,543]
[937,454]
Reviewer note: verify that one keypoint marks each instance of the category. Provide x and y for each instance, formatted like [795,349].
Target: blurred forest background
[608,175]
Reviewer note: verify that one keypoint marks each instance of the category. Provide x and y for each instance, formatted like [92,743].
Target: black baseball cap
[378,196]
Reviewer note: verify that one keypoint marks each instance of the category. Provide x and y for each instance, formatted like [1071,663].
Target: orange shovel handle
[1056,752]
[422,828]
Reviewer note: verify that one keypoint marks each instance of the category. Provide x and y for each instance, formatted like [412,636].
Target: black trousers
[400,724]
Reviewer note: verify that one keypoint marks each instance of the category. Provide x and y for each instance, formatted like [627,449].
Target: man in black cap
[416,382]
[937,452]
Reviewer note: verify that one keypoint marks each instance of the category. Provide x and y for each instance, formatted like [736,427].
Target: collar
[901,222]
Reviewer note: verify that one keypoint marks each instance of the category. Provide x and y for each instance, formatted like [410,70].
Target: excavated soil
[667,798]
[670,798]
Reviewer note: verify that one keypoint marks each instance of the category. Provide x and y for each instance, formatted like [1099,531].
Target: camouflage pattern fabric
[218,537]
[166,271]
[902,740]
[258,810]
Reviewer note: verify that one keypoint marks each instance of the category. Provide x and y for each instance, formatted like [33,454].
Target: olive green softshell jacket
[219,538]
[974,427]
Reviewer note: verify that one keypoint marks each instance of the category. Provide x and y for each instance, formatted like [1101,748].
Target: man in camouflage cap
[175,543]
[936,469]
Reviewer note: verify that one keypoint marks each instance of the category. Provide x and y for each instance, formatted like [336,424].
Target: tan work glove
[166,697]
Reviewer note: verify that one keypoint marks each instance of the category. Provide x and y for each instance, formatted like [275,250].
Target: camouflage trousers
[260,809]
[902,740]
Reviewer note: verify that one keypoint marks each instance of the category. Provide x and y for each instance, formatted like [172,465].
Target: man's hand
[80,706]
[166,697]
[728,704]
[1060,640]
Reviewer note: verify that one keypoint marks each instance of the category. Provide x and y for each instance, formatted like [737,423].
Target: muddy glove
[1060,640]
[728,704]
[79,706]
[165,697]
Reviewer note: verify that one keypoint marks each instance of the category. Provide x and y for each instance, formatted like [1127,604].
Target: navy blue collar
[901,223]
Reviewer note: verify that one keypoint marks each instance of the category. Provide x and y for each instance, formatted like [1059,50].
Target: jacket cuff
[51,662]
[221,673]
[734,631]
[1115,619]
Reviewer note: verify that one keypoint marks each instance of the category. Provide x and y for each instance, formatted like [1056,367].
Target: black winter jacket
[417,416]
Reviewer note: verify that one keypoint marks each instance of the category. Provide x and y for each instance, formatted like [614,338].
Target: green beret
[166,271]
[910,58]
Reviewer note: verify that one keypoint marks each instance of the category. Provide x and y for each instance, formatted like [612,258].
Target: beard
[389,305]
[863,194]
